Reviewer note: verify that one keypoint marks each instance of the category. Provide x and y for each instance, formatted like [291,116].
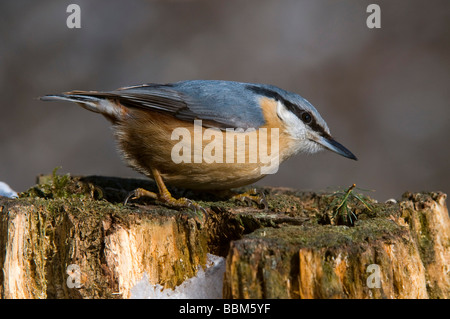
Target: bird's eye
[306,117]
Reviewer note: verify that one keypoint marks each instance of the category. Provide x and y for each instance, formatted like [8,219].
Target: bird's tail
[92,101]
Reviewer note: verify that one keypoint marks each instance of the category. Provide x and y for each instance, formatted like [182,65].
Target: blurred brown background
[384,92]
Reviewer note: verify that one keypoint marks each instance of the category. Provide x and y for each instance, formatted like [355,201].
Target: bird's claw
[138,193]
[253,197]
[263,201]
[166,199]
[131,195]
[196,207]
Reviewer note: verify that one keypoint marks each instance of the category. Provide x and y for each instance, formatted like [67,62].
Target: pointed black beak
[332,145]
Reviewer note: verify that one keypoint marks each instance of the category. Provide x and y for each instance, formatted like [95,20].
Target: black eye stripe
[291,107]
[266,92]
[306,117]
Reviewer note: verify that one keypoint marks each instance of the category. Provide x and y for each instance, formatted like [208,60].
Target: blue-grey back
[222,104]
[228,104]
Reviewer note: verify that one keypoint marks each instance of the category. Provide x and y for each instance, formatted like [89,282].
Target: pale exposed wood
[292,250]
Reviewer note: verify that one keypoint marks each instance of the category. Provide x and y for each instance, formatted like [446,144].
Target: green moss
[36,246]
[318,236]
[330,281]
[248,222]
[285,203]
[64,205]
[425,239]
[62,186]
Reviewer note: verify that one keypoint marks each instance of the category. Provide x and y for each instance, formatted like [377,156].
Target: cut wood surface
[298,247]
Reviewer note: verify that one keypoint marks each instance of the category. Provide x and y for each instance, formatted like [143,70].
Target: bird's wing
[220,104]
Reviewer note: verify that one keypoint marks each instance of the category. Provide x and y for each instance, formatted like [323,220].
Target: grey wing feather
[221,104]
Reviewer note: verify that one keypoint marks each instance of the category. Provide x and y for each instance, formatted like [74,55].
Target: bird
[207,134]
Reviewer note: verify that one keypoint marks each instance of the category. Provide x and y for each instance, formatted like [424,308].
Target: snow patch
[207,284]
[6,191]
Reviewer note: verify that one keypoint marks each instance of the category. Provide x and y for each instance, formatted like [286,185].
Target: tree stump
[298,247]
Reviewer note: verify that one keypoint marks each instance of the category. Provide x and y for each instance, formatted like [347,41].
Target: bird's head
[303,122]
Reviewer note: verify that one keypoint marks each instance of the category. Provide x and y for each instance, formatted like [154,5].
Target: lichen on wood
[409,242]
[293,249]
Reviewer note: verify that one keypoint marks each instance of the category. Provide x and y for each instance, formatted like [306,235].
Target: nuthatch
[145,117]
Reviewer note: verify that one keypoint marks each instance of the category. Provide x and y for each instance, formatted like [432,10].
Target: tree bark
[71,237]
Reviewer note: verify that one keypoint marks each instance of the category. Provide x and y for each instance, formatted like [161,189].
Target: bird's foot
[167,199]
[138,193]
[252,196]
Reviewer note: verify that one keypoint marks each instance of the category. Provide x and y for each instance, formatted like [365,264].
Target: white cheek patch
[294,125]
